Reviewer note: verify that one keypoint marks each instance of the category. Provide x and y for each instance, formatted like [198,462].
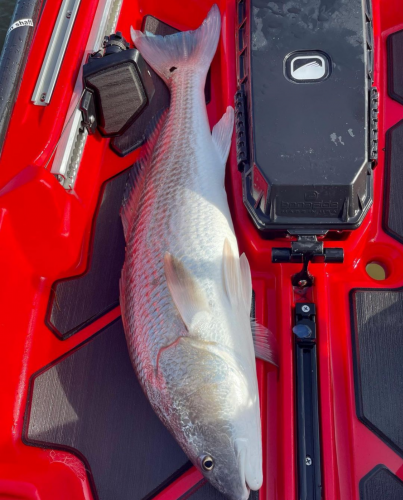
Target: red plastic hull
[45,236]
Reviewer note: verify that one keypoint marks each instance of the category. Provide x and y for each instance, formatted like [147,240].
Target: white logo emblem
[19,24]
[305,68]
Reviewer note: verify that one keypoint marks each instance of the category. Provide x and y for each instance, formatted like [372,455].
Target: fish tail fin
[166,54]
[136,179]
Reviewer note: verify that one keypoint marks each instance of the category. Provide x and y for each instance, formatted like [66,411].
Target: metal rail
[55,53]
[71,145]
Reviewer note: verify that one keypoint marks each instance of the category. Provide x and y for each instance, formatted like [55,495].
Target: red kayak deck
[73,419]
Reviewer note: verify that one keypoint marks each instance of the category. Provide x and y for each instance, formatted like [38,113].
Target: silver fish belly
[185,292]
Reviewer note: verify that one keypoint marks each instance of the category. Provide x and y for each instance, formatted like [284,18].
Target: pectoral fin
[187,295]
[222,134]
[237,278]
[246,281]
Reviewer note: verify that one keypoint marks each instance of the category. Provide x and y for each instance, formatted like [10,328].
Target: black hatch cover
[304,75]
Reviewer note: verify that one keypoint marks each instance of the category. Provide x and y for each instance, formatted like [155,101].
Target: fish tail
[166,54]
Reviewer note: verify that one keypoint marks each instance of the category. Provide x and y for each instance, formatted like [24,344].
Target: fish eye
[208,463]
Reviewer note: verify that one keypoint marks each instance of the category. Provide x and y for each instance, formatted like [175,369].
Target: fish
[185,292]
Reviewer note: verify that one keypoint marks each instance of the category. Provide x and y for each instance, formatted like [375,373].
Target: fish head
[230,452]
[228,467]
[210,383]
[217,416]
[222,468]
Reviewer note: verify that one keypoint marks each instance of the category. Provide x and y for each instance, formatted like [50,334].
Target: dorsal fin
[185,291]
[222,134]
[135,182]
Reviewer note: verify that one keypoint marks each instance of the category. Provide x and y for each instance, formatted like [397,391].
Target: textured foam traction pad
[78,301]
[204,491]
[378,354]
[134,136]
[395,63]
[92,402]
[157,27]
[393,220]
[381,484]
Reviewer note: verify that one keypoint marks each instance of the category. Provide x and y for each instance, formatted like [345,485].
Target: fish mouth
[241,465]
[250,478]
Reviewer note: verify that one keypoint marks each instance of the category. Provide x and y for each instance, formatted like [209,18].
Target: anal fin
[265,343]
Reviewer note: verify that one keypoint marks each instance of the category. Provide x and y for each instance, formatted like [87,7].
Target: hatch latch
[87,108]
[306,249]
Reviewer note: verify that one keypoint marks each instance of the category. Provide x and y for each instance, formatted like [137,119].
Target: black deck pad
[393,220]
[134,136]
[378,355]
[208,492]
[92,402]
[78,301]
[157,27]
[381,484]
[395,60]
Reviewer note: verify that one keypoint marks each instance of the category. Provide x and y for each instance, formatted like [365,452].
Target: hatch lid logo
[307,66]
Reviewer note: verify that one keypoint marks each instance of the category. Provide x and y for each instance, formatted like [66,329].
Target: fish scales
[181,211]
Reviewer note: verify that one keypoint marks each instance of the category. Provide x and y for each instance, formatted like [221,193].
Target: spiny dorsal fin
[185,291]
[136,179]
[222,134]
[265,343]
